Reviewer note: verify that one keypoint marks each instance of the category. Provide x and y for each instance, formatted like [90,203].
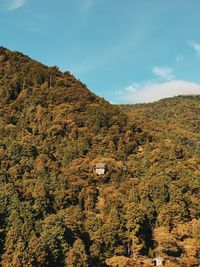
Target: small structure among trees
[158,261]
[140,150]
[100,168]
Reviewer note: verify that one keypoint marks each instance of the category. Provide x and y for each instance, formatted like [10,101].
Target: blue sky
[125,51]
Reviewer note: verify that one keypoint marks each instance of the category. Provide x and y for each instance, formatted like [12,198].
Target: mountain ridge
[56,211]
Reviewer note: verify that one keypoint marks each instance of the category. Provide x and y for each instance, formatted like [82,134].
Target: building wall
[100,171]
[158,262]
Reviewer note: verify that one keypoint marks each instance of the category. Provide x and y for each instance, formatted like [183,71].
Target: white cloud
[10,5]
[132,88]
[165,72]
[153,92]
[196,47]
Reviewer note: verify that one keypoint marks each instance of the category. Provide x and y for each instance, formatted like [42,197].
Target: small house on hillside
[100,168]
[158,261]
[140,150]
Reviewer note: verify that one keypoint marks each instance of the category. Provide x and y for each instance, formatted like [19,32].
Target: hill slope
[55,211]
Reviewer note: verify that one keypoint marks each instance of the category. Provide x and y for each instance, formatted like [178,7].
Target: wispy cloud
[15,4]
[86,6]
[125,45]
[196,47]
[164,72]
[136,93]
[179,58]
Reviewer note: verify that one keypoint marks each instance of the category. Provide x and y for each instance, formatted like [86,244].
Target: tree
[77,256]
[166,243]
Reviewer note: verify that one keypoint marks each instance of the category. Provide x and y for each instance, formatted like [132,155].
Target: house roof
[100,166]
[159,258]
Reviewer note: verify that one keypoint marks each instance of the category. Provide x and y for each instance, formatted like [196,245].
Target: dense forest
[55,210]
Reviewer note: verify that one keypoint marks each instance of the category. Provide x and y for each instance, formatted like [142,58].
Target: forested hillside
[56,211]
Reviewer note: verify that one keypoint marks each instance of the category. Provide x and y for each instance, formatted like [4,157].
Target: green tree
[77,256]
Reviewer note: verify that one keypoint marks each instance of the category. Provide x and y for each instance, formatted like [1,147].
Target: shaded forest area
[55,211]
